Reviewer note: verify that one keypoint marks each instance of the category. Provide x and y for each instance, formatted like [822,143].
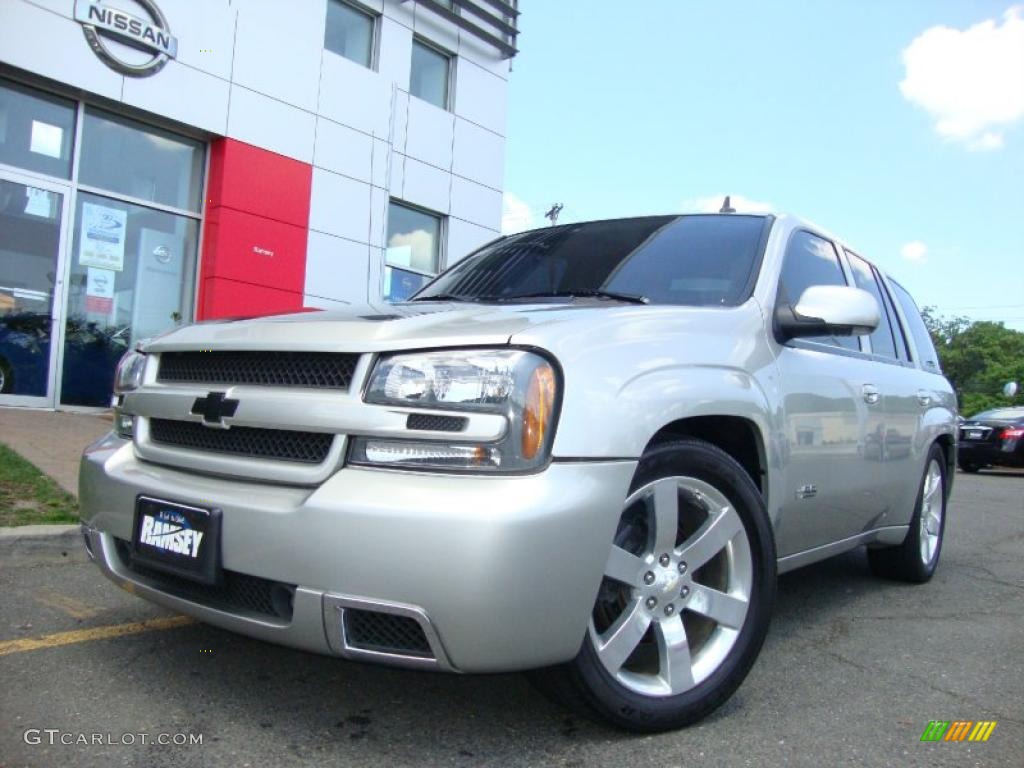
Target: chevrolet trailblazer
[587,449]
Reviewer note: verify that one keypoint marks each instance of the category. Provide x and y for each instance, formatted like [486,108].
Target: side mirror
[828,310]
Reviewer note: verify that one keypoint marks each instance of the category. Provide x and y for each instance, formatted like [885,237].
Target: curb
[40,538]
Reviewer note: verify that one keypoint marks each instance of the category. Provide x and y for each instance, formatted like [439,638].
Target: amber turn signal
[537,410]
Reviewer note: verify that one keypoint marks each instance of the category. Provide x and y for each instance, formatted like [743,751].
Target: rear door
[833,416]
[898,383]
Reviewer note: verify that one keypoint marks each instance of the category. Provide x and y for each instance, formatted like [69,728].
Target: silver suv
[586,450]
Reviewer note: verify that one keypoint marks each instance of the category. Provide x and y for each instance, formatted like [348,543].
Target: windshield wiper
[443,297]
[631,298]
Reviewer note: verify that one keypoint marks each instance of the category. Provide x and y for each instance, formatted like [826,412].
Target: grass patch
[28,497]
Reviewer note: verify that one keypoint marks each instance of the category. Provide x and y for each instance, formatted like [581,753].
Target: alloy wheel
[676,590]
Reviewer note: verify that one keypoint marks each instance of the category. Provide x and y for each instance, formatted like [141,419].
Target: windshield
[694,260]
[999,414]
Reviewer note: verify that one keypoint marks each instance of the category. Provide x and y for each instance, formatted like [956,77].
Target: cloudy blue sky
[897,124]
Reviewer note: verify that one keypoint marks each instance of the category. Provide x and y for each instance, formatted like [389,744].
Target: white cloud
[971,81]
[915,251]
[516,215]
[713,204]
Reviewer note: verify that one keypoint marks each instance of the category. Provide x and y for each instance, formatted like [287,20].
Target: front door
[33,227]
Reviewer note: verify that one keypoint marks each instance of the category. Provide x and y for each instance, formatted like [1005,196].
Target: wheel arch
[947,443]
[738,436]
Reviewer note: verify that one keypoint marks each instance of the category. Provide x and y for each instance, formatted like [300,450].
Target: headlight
[519,385]
[129,372]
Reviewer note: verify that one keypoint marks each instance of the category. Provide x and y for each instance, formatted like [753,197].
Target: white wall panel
[278,49]
[400,10]
[65,56]
[343,150]
[433,28]
[379,200]
[339,206]
[380,167]
[205,33]
[426,186]
[480,97]
[264,122]
[479,154]
[430,134]
[395,56]
[355,96]
[475,203]
[205,107]
[336,268]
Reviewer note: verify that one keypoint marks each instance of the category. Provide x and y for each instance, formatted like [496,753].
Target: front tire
[916,559]
[686,598]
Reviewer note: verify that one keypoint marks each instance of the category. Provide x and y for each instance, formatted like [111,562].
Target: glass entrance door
[33,221]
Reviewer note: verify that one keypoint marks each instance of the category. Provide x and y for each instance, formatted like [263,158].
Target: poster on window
[99,290]
[103,236]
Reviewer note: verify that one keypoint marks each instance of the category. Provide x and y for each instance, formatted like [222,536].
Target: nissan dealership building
[163,161]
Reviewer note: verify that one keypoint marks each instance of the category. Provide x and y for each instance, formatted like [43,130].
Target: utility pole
[556,209]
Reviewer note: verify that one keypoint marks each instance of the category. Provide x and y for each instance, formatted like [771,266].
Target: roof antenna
[727,206]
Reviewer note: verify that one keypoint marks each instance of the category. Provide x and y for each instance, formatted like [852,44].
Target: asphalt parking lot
[852,672]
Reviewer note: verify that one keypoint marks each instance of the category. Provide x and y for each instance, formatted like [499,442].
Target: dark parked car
[992,439]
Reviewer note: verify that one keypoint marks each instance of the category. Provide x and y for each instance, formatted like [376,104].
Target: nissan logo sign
[103,24]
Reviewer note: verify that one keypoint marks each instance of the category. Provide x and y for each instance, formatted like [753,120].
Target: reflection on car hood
[368,328]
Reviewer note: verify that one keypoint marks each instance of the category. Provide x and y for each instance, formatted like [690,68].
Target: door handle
[871,394]
[923,397]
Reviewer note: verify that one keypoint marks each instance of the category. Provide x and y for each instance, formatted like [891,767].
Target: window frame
[886,311]
[449,95]
[442,242]
[375,25]
[917,357]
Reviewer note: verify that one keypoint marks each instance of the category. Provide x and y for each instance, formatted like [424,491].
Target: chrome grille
[319,370]
[280,444]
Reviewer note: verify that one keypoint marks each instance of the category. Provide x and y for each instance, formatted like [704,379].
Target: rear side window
[812,260]
[926,354]
[882,342]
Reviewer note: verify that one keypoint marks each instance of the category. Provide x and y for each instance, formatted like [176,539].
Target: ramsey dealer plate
[178,539]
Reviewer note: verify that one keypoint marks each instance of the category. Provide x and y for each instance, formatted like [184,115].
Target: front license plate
[178,539]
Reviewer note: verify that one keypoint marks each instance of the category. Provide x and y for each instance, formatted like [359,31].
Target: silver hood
[372,328]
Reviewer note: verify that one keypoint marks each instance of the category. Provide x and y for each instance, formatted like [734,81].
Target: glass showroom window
[413,253]
[131,270]
[431,71]
[37,131]
[349,32]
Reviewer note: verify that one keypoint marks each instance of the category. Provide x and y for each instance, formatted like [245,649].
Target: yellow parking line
[73,608]
[95,633]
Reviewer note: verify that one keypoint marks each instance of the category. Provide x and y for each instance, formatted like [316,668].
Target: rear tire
[686,599]
[967,467]
[916,559]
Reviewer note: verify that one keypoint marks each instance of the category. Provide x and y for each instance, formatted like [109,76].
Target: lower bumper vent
[385,633]
[238,592]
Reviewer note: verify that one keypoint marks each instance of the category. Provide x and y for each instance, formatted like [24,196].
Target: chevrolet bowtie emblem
[214,408]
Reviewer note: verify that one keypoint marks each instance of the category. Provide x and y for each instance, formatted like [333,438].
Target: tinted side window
[863,276]
[926,354]
[902,348]
[812,260]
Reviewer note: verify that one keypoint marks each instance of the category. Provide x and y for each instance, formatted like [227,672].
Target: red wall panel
[231,298]
[255,232]
[254,180]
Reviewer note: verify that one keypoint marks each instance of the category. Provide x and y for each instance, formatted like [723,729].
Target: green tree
[978,358]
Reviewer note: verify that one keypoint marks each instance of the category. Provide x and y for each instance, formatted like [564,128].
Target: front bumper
[501,571]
